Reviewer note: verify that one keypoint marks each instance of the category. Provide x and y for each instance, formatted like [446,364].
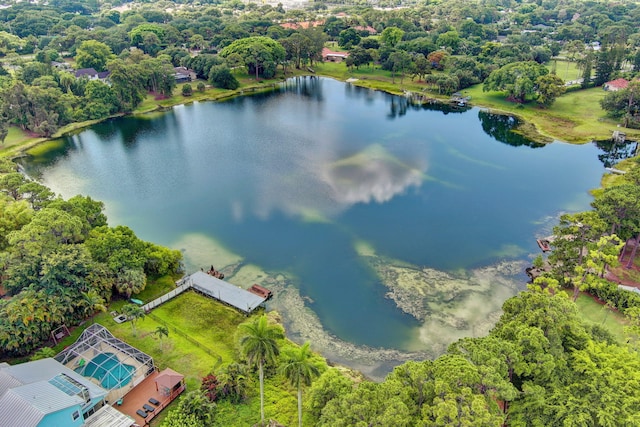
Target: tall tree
[516,79]
[331,384]
[4,129]
[259,344]
[605,253]
[161,331]
[300,370]
[127,83]
[549,87]
[400,61]
[391,36]
[619,207]
[605,65]
[574,236]
[93,54]
[260,54]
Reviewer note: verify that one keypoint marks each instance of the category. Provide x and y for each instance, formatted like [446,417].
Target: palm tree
[260,346]
[93,302]
[43,353]
[298,368]
[160,332]
[133,313]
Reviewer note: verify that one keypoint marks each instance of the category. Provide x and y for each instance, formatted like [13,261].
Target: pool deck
[140,395]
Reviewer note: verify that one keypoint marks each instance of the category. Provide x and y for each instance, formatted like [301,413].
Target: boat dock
[244,300]
[545,244]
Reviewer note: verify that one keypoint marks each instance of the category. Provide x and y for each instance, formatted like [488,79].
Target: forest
[541,365]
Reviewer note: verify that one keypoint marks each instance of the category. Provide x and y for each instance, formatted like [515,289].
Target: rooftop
[226,292]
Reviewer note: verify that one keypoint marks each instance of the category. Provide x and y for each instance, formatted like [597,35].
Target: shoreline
[527,128]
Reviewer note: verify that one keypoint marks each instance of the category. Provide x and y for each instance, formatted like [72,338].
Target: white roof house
[45,393]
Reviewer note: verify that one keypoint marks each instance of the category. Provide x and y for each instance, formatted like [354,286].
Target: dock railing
[166,297]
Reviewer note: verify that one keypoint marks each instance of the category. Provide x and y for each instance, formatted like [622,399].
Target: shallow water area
[387,230]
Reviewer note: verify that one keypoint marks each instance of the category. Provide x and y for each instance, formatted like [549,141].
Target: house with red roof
[616,85]
[299,25]
[369,29]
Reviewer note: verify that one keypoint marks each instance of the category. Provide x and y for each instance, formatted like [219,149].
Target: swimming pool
[107,368]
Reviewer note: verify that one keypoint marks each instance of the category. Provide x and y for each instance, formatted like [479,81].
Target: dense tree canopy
[260,54]
[518,79]
[93,54]
[60,261]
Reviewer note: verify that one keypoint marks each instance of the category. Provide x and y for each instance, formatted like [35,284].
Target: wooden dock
[214,287]
[544,244]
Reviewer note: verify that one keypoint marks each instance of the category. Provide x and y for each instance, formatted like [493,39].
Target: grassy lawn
[594,312]
[200,334]
[566,70]
[150,103]
[574,117]
[156,288]
[16,139]
[202,339]
[373,77]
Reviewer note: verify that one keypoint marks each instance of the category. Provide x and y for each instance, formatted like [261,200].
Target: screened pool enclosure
[113,364]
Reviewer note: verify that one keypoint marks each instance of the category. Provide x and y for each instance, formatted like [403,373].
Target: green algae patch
[45,147]
[313,216]
[364,248]
[202,251]
[448,306]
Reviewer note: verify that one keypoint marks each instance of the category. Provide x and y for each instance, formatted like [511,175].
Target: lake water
[294,181]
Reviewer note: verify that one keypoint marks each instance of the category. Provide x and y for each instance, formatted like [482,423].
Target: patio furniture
[142,413]
[148,407]
[154,401]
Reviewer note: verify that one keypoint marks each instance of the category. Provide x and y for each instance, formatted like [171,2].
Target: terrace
[152,395]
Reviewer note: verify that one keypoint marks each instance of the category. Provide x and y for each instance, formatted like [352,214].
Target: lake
[324,186]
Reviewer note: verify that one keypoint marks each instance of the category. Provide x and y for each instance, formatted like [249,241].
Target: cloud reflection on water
[324,184]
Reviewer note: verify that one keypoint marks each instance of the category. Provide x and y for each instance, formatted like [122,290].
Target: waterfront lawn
[374,78]
[211,328]
[596,313]
[15,139]
[575,116]
[156,288]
